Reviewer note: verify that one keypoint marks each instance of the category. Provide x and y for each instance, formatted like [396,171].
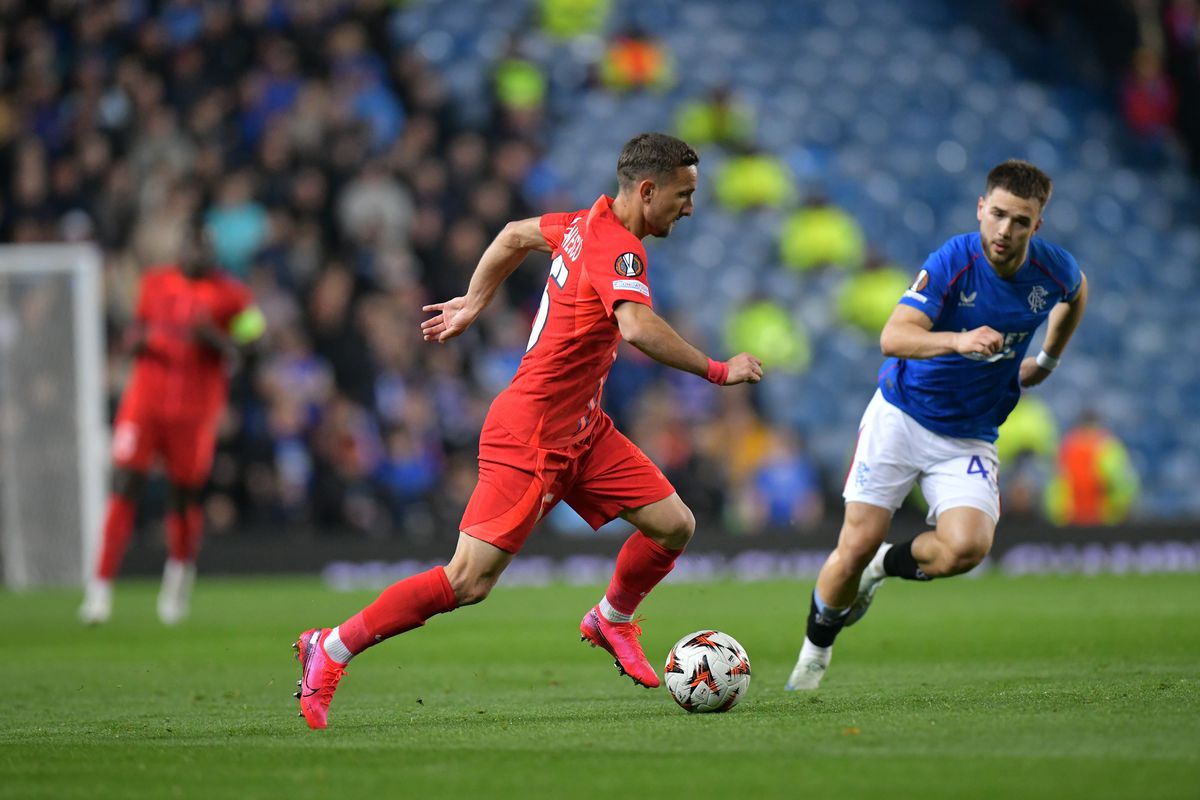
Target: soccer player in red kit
[190,319]
[546,438]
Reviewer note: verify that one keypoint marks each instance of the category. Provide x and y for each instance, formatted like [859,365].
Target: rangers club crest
[629,265]
[1037,299]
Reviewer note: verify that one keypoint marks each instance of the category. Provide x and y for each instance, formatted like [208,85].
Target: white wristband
[1046,361]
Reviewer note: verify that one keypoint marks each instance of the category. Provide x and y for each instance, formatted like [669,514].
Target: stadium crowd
[342,184]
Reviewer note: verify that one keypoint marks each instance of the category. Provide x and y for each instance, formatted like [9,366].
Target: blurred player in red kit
[546,438]
[191,318]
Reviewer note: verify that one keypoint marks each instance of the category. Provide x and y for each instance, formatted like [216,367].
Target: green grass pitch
[1083,687]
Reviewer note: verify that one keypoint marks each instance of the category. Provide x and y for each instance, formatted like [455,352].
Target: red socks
[641,564]
[118,527]
[404,605]
[407,604]
[184,532]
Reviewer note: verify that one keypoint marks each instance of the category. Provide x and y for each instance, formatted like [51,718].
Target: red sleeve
[616,268]
[235,298]
[146,291]
[554,226]
[154,338]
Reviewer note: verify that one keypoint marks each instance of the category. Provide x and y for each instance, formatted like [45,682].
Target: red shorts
[519,483]
[186,446]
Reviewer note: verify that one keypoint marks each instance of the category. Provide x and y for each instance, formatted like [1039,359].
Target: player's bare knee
[962,551]
[674,528]
[683,529]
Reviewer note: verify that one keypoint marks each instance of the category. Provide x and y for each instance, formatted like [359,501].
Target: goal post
[53,464]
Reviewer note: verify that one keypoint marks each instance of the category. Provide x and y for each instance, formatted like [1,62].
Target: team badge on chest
[1037,299]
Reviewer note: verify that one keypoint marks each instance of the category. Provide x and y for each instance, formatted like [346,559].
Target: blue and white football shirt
[969,396]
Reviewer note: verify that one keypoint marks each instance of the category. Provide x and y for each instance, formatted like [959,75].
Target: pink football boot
[319,676]
[621,640]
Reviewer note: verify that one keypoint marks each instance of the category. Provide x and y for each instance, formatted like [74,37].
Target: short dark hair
[1022,179]
[652,155]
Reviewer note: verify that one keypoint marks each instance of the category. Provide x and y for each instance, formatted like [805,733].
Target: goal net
[53,466]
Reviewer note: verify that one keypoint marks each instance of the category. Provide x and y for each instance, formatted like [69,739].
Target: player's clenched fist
[744,368]
[982,341]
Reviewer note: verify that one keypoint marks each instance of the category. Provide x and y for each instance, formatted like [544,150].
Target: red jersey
[175,376]
[554,399]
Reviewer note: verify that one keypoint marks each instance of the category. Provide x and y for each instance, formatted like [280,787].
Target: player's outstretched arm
[651,334]
[1064,319]
[499,260]
[246,328]
[909,334]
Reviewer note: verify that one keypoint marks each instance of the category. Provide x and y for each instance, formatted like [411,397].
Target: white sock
[874,570]
[335,649]
[99,587]
[611,614]
[178,576]
[810,650]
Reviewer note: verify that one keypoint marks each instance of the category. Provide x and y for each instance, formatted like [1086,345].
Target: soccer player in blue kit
[956,345]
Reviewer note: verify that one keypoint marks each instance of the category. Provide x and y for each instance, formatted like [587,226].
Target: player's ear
[979,210]
[1041,215]
[646,190]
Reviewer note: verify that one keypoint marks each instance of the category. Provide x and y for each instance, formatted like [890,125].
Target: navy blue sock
[899,562]
[824,623]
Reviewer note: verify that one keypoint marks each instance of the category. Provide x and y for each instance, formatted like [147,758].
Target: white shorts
[895,451]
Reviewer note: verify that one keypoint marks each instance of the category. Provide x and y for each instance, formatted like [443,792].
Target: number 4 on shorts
[976,467]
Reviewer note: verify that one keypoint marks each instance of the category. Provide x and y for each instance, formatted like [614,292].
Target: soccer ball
[707,671]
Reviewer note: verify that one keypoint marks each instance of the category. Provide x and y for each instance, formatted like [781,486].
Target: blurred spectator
[157,236]
[821,234]
[754,180]
[238,223]
[271,90]
[717,118]
[736,439]
[567,19]
[1181,20]
[637,60]
[766,328]
[1096,483]
[407,473]
[337,338]
[1149,101]
[867,298]
[519,84]
[1026,448]
[348,451]
[1182,26]
[668,437]
[1147,15]
[375,210]
[784,491]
